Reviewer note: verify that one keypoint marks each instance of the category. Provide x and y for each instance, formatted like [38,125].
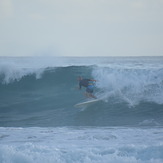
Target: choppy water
[39,123]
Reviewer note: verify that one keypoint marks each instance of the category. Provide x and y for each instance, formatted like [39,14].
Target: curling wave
[46,96]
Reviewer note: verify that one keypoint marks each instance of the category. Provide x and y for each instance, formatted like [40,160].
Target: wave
[129,85]
[46,96]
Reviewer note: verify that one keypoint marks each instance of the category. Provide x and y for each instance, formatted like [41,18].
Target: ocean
[39,123]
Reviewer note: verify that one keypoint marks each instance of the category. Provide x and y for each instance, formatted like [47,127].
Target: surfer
[88,83]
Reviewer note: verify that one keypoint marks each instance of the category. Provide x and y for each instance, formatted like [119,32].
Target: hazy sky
[81,27]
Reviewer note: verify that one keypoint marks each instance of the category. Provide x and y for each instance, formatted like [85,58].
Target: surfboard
[86,103]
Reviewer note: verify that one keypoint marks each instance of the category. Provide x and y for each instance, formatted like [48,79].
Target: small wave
[150,122]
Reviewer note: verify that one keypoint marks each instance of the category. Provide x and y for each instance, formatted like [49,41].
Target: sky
[81,27]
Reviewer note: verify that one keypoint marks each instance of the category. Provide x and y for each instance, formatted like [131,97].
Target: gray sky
[81,27]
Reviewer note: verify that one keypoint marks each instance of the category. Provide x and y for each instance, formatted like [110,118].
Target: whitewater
[39,123]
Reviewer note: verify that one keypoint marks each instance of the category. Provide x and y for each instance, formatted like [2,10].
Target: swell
[49,99]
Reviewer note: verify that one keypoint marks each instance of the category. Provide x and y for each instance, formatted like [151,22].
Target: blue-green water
[37,98]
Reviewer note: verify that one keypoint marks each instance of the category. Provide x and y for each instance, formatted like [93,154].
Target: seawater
[39,123]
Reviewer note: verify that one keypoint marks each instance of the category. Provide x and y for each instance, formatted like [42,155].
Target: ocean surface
[39,123]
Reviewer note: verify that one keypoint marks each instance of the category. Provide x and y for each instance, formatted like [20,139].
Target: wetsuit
[88,84]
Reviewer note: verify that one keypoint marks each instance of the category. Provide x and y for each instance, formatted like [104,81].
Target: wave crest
[11,73]
[131,85]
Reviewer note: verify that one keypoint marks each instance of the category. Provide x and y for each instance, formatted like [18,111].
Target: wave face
[43,92]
